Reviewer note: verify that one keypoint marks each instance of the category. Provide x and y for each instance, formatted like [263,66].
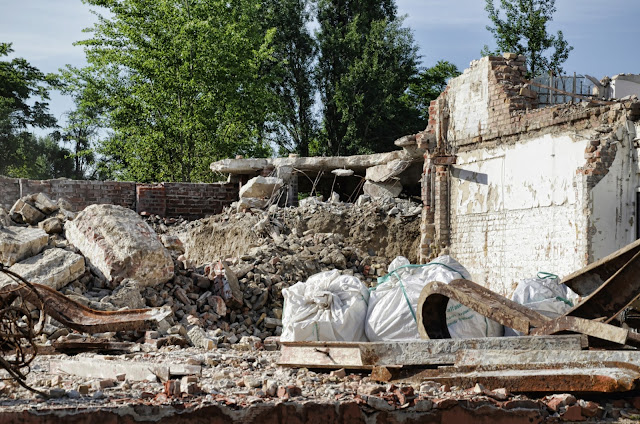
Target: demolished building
[509,189]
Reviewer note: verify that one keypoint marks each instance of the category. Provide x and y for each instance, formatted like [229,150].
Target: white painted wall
[519,209]
[612,200]
[625,85]
[469,101]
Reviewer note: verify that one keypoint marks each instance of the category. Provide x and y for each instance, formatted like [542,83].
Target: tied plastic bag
[328,307]
[545,295]
[394,301]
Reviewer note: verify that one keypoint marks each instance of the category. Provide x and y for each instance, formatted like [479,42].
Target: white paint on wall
[625,85]
[469,101]
[612,203]
[517,209]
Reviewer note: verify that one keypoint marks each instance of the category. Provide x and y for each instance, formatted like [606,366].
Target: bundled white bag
[328,307]
[394,301]
[545,295]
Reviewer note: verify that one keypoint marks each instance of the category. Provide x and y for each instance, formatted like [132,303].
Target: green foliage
[428,85]
[367,60]
[24,91]
[178,82]
[523,30]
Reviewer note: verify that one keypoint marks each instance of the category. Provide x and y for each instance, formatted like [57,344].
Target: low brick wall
[165,199]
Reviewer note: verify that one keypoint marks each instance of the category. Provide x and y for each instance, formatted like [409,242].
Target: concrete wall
[171,199]
[516,210]
[469,101]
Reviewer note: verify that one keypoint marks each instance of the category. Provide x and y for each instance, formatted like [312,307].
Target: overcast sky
[604,34]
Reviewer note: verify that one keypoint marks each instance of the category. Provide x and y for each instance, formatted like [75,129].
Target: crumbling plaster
[531,189]
[515,209]
[612,201]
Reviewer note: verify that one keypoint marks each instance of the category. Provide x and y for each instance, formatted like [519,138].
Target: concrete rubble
[53,267]
[216,354]
[118,244]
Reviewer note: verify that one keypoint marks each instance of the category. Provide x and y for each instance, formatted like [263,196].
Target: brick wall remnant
[192,200]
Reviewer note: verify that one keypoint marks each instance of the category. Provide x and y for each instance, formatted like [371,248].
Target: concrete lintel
[357,163]
[135,371]
[412,353]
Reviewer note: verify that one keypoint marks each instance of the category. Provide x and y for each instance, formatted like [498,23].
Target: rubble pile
[264,252]
[236,379]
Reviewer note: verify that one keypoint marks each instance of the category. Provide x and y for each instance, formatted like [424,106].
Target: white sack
[544,295]
[328,307]
[394,302]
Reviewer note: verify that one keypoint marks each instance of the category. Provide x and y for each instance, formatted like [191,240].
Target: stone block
[54,268]
[119,245]
[383,173]
[261,187]
[382,190]
[18,243]
[24,212]
[44,203]
[51,225]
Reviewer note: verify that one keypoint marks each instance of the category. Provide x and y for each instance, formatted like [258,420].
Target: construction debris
[119,245]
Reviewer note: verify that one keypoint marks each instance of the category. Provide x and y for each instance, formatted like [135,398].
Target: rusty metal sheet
[588,279]
[620,288]
[434,297]
[356,355]
[78,317]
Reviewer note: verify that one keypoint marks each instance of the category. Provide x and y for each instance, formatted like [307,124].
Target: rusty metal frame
[435,296]
[432,305]
[81,318]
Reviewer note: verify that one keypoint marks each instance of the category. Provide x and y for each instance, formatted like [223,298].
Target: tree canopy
[523,30]
[366,62]
[178,83]
[24,95]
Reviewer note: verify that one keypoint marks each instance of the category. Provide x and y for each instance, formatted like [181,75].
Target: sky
[604,34]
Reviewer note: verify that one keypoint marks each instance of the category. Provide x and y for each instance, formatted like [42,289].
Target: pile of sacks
[334,307]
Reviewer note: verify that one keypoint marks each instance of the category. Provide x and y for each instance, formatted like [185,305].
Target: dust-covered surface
[378,228]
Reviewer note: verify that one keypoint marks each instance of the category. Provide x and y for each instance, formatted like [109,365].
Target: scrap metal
[79,317]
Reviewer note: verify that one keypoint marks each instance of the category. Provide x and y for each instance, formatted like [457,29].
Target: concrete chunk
[44,203]
[382,190]
[5,220]
[54,268]
[383,173]
[261,187]
[24,212]
[18,243]
[119,244]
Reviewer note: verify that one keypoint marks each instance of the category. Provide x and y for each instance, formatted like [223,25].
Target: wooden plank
[356,355]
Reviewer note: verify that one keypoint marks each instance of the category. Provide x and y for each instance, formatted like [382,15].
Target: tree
[294,52]
[366,62]
[24,91]
[428,85]
[523,30]
[178,83]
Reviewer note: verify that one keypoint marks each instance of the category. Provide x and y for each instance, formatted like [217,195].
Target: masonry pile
[107,257]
